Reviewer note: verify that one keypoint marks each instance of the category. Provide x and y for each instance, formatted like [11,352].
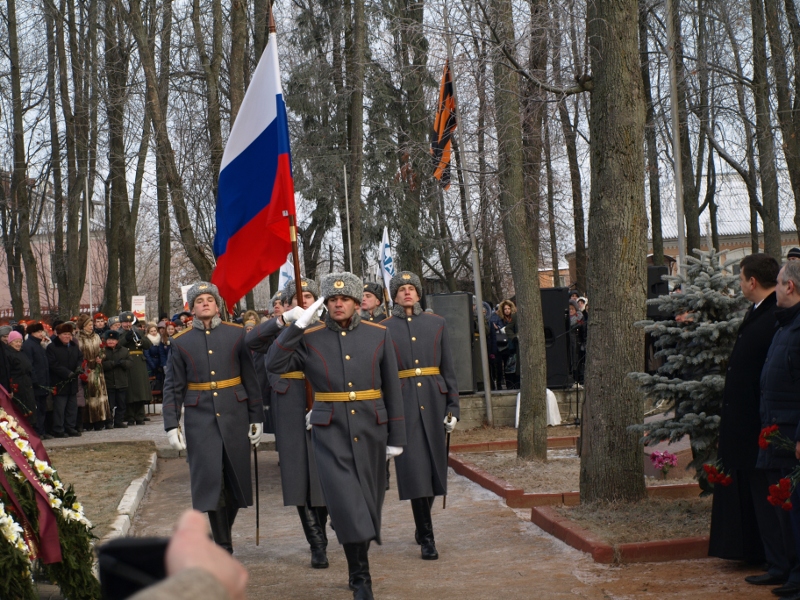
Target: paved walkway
[487,551]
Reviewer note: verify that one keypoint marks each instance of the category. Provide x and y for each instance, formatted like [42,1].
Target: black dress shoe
[46,436]
[120,425]
[787,589]
[765,579]
[147,418]
[73,433]
[60,435]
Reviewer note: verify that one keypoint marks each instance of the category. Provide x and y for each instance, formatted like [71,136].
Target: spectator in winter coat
[34,349]
[508,327]
[155,367]
[116,363]
[65,360]
[21,372]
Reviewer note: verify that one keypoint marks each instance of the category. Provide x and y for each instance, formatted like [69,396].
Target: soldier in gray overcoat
[210,374]
[372,302]
[139,392]
[357,416]
[430,401]
[299,479]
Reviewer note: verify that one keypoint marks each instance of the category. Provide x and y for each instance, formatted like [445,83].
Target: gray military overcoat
[299,478]
[421,341]
[350,438]
[138,379]
[213,420]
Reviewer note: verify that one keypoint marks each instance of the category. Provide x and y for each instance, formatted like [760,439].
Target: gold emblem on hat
[339,284]
[202,286]
[406,276]
[366,286]
[304,284]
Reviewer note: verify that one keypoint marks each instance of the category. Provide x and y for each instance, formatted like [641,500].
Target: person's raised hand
[309,314]
[191,548]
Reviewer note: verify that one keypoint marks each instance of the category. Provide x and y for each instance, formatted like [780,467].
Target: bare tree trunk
[650,138]
[162,191]
[193,249]
[522,253]
[764,139]
[611,456]
[355,71]
[551,211]
[786,113]
[19,179]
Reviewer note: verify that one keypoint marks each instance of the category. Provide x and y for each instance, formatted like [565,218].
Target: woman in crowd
[165,347]
[153,356]
[507,311]
[96,410]
[21,370]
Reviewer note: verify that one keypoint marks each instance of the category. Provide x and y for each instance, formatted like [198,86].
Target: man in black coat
[65,359]
[735,531]
[33,349]
[780,405]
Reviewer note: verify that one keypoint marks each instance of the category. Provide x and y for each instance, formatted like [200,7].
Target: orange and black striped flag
[444,124]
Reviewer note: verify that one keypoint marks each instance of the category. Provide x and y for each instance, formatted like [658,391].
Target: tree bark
[764,138]
[532,434]
[355,72]
[551,211]
[162,191]
[653,179]
[611,456]
[19,178]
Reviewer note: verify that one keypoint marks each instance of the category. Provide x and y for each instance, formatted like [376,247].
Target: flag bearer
[299,478]
[210,374]
[357,417]
[430,394]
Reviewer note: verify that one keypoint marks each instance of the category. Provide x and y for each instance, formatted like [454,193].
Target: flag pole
[487,380]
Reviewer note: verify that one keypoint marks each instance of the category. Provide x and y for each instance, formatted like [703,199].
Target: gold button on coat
[208,332]
[349,384]
[419,384]
[211,352]
[344,333]
[347,357]
[409,318]
[355,439]
[352,412]
[352,396]
[413,339]
[219,415]
[215,393]
[416,362]
[214,373]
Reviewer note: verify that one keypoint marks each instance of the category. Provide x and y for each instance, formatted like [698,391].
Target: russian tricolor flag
[256,190]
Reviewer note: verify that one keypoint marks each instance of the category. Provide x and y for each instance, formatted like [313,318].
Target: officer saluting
[211,375]
[430,393]
[357,417]
[299,478]
[372,302]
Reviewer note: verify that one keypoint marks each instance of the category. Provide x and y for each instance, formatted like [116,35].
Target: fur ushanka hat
[342,284]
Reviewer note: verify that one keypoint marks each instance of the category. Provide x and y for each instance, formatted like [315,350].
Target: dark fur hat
[374,288]
[65,328]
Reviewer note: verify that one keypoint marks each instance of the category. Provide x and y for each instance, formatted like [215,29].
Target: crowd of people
[87,374]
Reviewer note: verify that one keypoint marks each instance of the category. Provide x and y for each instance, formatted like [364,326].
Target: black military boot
[358,567]
[421,507]
[388,473]
[221,528]
[315,534]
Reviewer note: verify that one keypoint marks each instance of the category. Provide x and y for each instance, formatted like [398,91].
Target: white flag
[386,260]
[286,273]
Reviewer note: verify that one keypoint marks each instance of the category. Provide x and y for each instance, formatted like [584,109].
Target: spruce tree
[705,311]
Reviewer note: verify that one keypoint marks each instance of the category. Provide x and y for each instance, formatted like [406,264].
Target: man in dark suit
[734,526]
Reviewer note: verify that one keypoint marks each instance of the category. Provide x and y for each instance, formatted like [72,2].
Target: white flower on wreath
[12,532]
[8,462]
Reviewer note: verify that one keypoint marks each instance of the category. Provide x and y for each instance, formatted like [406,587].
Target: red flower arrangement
[772,435]
[716,474]
[780,494]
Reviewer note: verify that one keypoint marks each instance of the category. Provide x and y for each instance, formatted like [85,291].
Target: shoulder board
[180,333]
[229,324]
[315,328]
[372,324]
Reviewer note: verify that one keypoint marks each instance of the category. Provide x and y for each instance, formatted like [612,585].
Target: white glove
[502,330]
[176,439]
[392,451]
[308,420]
[290,316]
[450,424]
[255,432]
[309,314]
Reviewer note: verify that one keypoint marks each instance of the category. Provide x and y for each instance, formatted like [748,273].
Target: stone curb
[130,502]
[579,538]
[517,498]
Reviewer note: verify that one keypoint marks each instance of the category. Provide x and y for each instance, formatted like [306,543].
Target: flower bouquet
[715,473]
[663,461]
